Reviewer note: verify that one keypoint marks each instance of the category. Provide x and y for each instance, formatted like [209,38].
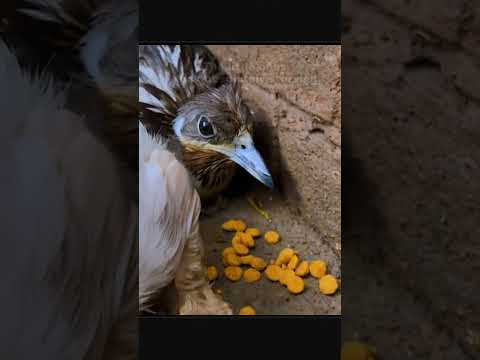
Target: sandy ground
[266,297]
[294,93]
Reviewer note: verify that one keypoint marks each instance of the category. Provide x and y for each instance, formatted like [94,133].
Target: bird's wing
[107,37]
[109,55]
[169,76]
[108,50]
[104,34]
[59,11]
[70,18]
[104,31]
[69,234]
[169,208]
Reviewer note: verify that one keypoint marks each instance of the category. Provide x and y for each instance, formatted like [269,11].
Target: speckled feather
[171,75]
[177,82]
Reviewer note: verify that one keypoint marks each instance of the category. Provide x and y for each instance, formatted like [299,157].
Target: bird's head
[217,126]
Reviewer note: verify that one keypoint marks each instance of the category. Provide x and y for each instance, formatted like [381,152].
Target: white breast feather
[169,210]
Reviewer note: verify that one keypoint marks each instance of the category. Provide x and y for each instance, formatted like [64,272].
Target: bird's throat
[211,171]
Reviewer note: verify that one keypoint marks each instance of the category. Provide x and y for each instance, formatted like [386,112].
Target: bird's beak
[247,156]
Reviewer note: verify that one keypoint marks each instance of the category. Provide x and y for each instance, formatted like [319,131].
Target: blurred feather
[69,234]
[101,40]
[76,269]
[108,53]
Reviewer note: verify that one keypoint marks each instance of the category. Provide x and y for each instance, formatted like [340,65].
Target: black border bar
[278,336]
[260,21]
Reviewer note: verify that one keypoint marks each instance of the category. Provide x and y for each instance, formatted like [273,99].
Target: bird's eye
[205,127]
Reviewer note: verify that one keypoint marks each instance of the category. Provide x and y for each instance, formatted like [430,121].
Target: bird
[170,243]
[70,229]
[187,98]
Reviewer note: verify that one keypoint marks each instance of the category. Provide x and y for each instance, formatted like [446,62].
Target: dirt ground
[410,137]
[294,92]
[266,297]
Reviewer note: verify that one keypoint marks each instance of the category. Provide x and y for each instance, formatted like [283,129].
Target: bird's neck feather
[211,170]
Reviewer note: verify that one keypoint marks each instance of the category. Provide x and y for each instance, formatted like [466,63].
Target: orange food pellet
[318,268]
[258,263]
[230,225]
[292,264]
[233,259]
[328,284]
[254,232]
[251,275]
[286,276]
[212,273]
[234,225]
[241,226]
[236,240]
[240,249]
[228,250]
[285,256]
[356,350]
[302,269]
[233,273]
[273,272]
[246,260]
[229,257]
[247,310]
[246,239]
[225,261]
[237,236]
[295,284]
[272,237]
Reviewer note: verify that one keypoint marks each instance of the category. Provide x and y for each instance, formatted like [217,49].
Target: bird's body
[69,231]
[186,97]
[171,246]
[168,215]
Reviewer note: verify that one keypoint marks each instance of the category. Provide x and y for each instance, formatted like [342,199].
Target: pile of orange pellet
[288,268]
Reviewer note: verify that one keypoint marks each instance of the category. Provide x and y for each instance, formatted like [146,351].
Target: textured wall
[296,93]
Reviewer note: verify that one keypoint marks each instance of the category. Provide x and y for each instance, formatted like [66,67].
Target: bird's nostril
[243,147]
